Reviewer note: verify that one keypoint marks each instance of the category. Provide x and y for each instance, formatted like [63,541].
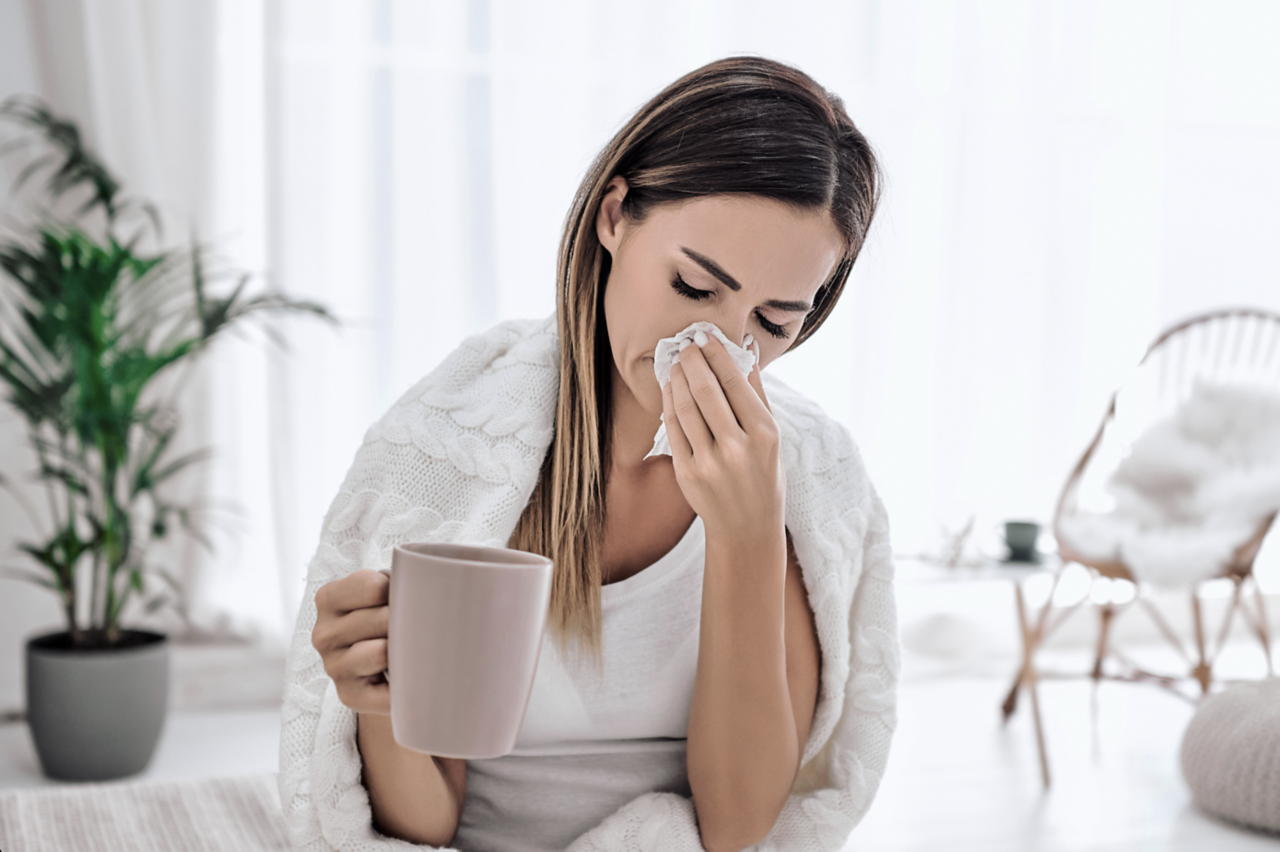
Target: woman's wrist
[744,545]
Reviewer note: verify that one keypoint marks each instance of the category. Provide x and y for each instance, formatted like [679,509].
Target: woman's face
[750,265]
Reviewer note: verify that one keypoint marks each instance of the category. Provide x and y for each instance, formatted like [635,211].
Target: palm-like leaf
[78,167]
[88,326]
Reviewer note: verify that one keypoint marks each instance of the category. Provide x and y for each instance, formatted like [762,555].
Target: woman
[715,589]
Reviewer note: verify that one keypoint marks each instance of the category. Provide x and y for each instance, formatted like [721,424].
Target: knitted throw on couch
[456,460]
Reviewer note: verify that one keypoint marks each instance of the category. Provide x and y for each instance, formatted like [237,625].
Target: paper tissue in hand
[667,353]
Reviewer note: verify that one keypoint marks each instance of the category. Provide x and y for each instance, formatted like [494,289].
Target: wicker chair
[1235,345]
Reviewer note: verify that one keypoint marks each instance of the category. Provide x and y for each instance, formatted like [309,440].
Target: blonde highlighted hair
[743,125]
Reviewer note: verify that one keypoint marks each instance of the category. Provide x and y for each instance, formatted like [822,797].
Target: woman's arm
[754,694]
[414,796]
[756,684]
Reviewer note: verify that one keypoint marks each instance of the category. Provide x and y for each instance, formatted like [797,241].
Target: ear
[609,221]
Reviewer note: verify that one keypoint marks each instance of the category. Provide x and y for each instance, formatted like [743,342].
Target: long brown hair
[743,125]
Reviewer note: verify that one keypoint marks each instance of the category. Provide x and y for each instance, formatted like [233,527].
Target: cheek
[619,304]
[624,300]
[638,316]
[626,318]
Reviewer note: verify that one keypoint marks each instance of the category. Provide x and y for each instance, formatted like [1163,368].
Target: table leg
[1010,703]
[1027,678]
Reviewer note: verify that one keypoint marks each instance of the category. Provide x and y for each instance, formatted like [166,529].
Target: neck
[633,428]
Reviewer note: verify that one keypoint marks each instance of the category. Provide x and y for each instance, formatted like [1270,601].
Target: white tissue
[667,353]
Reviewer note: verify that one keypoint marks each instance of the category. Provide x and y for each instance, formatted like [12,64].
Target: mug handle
[386,675]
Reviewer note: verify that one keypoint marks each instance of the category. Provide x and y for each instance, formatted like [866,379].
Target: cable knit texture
[456,459]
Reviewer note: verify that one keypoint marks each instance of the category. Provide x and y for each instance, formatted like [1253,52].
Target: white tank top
[590,743]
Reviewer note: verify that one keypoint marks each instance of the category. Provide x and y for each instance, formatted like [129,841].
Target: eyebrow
[728,280]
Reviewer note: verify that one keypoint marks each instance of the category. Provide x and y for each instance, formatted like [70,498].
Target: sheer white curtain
[1064,178]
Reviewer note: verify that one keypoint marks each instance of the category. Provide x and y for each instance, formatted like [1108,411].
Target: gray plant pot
[96,714]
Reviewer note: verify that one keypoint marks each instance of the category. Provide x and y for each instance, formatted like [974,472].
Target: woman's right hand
[413,796]
[351,635]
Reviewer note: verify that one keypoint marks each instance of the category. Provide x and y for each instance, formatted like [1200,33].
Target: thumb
[753,379]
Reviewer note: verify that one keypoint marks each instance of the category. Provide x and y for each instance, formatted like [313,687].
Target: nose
[738,328]
[735,324]
[731,316]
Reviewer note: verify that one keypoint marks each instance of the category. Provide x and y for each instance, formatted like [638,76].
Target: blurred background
[1064,180]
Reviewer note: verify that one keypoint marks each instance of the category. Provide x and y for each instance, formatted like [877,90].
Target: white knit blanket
[456,459]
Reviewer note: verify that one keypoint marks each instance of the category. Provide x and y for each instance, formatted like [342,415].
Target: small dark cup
[1021,538]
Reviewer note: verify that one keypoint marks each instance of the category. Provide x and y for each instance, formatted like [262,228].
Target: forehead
[767,245]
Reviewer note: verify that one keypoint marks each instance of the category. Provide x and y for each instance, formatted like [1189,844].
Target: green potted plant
[90,324]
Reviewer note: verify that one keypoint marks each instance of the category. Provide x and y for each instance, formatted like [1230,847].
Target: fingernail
[684,343]
[700,338]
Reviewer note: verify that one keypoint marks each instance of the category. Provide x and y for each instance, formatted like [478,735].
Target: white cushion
[1231,755]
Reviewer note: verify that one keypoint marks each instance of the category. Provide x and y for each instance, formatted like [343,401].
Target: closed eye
[682,287]
[773,328]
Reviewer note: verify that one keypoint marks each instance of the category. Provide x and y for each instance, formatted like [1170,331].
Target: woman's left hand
[725,443]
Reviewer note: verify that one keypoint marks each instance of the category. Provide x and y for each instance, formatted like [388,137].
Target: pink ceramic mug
[463,644]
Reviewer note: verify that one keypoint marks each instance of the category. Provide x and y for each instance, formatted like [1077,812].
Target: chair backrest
[1234,345]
